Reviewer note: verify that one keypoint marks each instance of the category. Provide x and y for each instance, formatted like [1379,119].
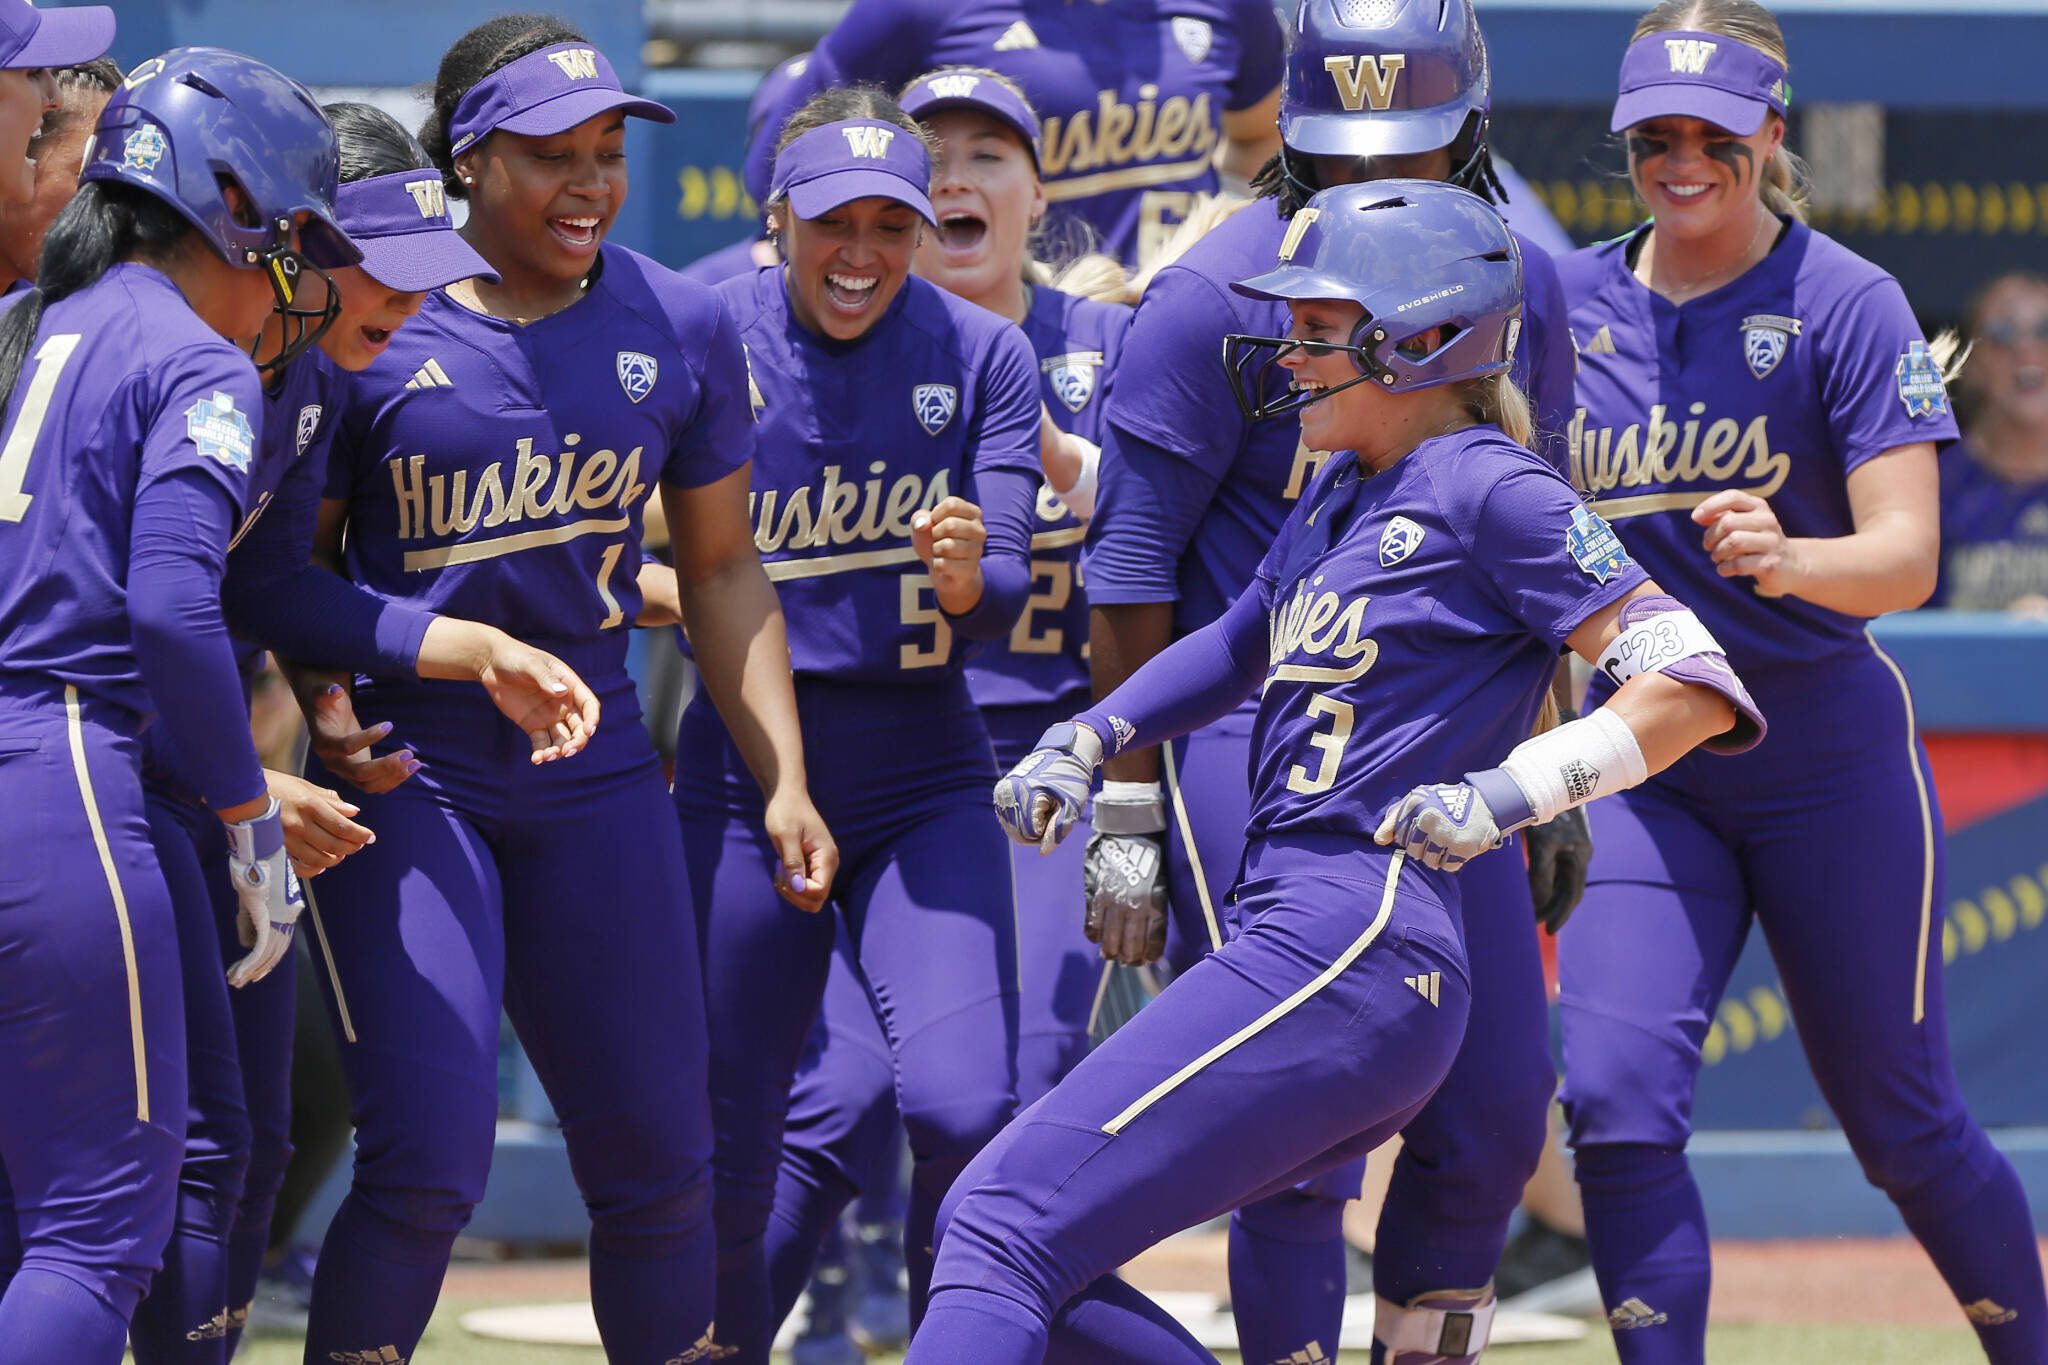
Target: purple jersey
[124,386]
[855,438]
[1994,536]
[1045,658]
[1131,93]
[1443,587]
[497,472]
[1779,383]
[724,263]
[1252,471]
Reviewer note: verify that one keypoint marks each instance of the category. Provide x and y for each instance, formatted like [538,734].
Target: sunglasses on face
[2006,334]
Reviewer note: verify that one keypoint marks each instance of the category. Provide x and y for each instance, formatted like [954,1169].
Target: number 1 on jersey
[50,359]
[614,613]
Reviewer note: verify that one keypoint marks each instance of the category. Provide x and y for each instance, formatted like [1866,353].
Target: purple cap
[854,159]
[955,88]
[31,37]
[409,242]
[1699,75]
[546,92]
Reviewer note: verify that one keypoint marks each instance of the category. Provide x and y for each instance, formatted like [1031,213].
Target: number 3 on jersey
[51,358]
[1331,743]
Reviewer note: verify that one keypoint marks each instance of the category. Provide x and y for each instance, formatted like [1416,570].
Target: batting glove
[268,890]
[1560,851]
[1447,825]
[1123,873]
[1039,800]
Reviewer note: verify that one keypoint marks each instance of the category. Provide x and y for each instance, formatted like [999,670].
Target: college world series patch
[1920,386]
[1595,547]
[221,431]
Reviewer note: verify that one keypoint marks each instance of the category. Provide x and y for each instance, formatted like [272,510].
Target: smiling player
[1326,1022]
[493,462]
[1758,415]
[893,494]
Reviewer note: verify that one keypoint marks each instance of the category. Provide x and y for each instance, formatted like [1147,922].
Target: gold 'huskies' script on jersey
[530,486]
[1319,625]
[1692,459]
[1118,134]
[843,512]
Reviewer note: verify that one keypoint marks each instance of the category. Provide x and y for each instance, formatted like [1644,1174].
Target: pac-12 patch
[309,423]
[1920,386]
[220,431]
[1398,541]
[637,374]
[1765,337]
[1595,547]
[934,404]
[1073,376]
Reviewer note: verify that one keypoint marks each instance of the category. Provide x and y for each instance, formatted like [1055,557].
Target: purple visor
[546,92]
[937,91]
[1706,76]
[409,242]
[855,159]
[31,37]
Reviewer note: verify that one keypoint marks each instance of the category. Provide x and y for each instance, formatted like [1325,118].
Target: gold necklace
[1690,290]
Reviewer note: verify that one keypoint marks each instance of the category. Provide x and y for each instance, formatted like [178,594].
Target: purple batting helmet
[1416,255]
[1369,78]
[189,124]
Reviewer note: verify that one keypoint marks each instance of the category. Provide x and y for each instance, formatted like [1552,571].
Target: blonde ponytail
[1498,401]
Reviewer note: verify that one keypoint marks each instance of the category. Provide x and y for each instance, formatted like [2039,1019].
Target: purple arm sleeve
[1199,678]
[274,596]
[1148,502]
[1263,43]
[181,643]
[1008,499]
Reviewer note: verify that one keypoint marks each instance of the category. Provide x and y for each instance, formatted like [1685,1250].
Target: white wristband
[1080,499]
[1578,761]
[1130,808]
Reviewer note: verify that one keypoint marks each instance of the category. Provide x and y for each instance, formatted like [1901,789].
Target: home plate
[1205,1316]
[570,1324]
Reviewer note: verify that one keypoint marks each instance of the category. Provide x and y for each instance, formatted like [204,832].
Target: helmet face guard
[1259,381]
[1434,268]
[307,302]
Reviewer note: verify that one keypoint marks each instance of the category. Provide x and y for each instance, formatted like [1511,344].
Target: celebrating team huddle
[1248,605]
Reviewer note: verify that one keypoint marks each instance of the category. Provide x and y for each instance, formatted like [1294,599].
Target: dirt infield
[1839,1280]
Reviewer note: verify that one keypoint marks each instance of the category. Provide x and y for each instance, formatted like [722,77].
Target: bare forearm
[1876,570]
[1122,637]
[1668,718]
[661,602]
[742,651]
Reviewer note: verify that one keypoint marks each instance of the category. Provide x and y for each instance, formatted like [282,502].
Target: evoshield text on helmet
[1368,78]
[196,122]
[1420,257]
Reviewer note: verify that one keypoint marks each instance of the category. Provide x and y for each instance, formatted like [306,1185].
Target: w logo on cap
[577,63]
[872,142]
[1689,55]
[953,87]
[428,194]
[1368,79]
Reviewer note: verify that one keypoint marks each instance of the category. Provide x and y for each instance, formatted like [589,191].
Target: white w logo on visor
[953,87]
[1689,55]
[872,142]
[429,195]
[578,63]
